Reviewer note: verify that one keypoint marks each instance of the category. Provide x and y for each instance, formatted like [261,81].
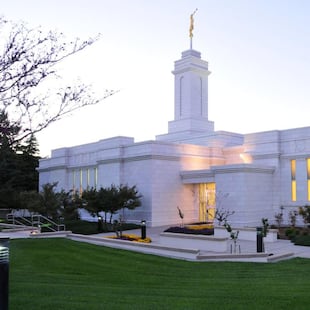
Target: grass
[63,274]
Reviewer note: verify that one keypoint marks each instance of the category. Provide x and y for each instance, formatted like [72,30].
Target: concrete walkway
[281,249]
[280,246]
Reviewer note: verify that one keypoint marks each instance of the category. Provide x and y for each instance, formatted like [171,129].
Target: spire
[191,27]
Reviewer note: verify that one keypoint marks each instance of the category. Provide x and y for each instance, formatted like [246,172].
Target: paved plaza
[278,247]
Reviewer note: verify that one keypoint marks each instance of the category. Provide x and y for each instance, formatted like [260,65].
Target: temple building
[192,166]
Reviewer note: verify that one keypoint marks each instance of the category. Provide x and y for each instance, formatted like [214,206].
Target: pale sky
[258,52]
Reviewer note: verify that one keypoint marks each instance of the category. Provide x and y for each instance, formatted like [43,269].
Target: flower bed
[132,237]
[194,229]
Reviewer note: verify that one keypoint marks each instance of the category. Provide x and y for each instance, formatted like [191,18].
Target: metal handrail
[39,220]
[18,220]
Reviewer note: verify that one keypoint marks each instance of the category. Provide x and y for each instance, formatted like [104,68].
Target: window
[73,181]
[308,179]
[206,201]
[95,177]
[81,182]
[88,178]
[293,180]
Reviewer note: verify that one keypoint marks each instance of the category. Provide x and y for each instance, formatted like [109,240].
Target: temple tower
[191,95]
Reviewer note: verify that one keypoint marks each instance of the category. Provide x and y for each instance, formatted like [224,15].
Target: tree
[102,200]
[305,213]
[29,59]
[111,199]
[129,197]
[69,204]
[18,162]
[50,203]
[222,215]
[92,201]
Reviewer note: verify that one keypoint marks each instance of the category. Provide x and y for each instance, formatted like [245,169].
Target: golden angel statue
[191,25]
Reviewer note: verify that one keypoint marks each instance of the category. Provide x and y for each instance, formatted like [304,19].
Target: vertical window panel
[81,182]
[73,181]
[293,180]
[88,178]
[308,179]
[96,177]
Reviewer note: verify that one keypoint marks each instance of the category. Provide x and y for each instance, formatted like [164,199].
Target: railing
[18,220]
[39,221]
[44,222]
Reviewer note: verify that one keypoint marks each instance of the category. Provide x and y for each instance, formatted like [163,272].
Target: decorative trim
[266,156]
[296,156]
[51,168]
[245,168]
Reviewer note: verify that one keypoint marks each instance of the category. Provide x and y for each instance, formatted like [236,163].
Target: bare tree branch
[28,63]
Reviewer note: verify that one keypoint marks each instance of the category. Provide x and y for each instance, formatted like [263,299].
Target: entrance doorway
[207,200]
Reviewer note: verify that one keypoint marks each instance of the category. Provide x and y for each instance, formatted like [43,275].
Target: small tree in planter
[181,215]
[293,216]
[305,213]
[279,217]
[265,225]
[233,236]
[222,215]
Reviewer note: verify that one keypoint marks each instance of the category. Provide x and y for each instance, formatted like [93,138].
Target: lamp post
[100,224]
[143,229]
[259,239]
[4,273]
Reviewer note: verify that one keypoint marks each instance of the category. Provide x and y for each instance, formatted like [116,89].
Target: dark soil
[184,230]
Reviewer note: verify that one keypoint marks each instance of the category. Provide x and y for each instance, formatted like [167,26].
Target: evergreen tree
[17,164]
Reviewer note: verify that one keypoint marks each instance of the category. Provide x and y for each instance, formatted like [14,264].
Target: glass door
[207,202]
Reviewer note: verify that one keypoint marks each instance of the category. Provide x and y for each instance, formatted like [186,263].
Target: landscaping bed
[90,228]
[297,235]
[132,237]
[194,229]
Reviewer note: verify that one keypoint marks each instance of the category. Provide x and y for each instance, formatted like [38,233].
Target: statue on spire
[191,25]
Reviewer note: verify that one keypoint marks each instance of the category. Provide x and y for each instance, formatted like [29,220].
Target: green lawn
[63,274]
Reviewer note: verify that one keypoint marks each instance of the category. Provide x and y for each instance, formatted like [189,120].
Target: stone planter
[203,243]
[246,233]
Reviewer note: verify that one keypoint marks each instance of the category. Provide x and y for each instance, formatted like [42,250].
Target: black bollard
[143,229]
[259,239]
[4,273]
[100,224]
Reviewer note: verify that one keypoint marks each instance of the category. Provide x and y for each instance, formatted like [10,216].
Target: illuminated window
[206,202]
[308,177]
[293,180]
[73,181]
[95,177]
[88,178]
[81,182]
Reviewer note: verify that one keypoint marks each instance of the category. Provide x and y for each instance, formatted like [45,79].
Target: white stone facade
[254,171]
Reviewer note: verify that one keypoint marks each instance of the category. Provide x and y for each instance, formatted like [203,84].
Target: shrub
[305,213]
[303,240]
[279,217]
[292,216]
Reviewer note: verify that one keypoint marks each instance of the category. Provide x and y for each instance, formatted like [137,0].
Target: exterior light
[259,239]
[143,229]
[100,224]
[4,273]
